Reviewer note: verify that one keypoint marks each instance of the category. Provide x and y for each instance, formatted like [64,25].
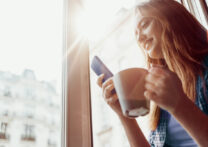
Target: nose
[142,37]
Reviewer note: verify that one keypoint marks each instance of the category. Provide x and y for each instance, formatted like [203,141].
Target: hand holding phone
[100,68]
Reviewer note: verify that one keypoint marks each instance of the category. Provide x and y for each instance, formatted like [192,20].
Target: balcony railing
[28,138]
[4,136]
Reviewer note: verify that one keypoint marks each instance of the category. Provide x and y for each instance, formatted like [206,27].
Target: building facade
[30,111]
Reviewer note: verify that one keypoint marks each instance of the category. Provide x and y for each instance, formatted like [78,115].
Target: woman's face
[148,35]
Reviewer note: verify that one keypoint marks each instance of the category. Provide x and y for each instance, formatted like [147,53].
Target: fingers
[150,87]
[100,79]
[107,90]
[157,76]
[157,90]
[150,95]
[158,81]
[107,82]
[150,92]
[158,71]
[155,82]
[107,94]
[150,78]
[111,100]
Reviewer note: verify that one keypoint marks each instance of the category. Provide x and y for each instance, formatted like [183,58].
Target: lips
[148,43]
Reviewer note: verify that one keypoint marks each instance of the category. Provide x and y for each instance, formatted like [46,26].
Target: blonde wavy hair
[183,43]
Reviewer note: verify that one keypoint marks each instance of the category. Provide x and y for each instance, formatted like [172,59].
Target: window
[51,140]
[199,9]
[28,134]
[31,72]
[7,92]
[119,51]
[106,128]
[3,131]
[90,122]
[178,1]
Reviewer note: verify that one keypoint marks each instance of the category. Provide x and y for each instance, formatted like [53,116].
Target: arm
[134,134]
[195,121]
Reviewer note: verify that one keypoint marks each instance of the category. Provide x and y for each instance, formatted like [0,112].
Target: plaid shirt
[157,138]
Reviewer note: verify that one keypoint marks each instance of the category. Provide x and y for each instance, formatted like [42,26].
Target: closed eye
[145,24]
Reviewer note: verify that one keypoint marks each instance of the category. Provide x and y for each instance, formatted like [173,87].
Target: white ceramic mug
[129,86]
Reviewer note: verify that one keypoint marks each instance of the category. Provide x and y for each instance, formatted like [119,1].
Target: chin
[154,56]
[155,53]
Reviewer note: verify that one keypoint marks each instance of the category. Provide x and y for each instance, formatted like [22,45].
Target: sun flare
[94,18]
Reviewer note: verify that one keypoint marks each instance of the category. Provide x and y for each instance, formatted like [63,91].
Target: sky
[31,37]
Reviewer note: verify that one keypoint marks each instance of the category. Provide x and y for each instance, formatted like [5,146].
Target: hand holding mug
[164,88]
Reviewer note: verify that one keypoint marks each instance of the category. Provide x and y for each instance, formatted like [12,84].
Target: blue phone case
[99,68]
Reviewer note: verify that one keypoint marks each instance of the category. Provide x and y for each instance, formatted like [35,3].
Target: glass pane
[112,39]
[201,14]
[178,1]
[185,3]
[30,73]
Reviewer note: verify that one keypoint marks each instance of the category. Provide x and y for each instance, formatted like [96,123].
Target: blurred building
[30,111]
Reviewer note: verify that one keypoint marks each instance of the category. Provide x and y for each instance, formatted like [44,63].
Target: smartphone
[100,68]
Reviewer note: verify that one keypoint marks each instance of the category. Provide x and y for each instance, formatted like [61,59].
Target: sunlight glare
[92,21]
[88,25]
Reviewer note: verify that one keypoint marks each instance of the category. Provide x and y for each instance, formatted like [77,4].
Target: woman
[176,44]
